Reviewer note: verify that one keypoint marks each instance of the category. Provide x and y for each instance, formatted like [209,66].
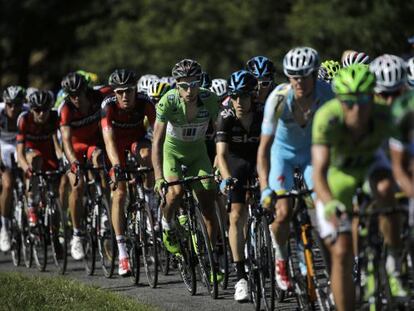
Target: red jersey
[84,127]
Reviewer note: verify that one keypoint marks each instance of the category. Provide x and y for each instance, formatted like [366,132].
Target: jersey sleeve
[106,115]
[150,113]
[322,128]
[162,107]
[224,124]
[21,129]
[65,116]
[273,110]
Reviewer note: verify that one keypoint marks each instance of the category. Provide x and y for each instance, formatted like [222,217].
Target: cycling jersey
[8,133]
[127,125]
[85,131]
[402,112]
[38,137]
[292,144]
[184,141]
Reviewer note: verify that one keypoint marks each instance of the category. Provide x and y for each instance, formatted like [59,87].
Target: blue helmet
[261,67]
[205,80]
[242,81]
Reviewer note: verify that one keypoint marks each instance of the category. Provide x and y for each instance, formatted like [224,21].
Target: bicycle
[140,233]
[99,231]
[309,289]
[20,242]
[195,245]
[51,227]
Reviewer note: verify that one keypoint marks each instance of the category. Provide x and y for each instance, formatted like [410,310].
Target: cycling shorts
[243,170]
[84,149]
[7,151]
[50,161]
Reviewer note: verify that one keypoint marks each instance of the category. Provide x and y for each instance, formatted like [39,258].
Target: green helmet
[332,67]
[354,79]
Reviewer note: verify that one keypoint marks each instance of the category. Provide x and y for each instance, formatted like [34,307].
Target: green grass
[19,292]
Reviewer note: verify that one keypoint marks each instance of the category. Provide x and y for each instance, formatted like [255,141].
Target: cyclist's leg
[7,151]
[142,150]
[342,186]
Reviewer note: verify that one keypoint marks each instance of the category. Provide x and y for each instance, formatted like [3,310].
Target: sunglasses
[360,100]
[185,85]
[14,104]
[390,94]
[234,96]
[128,90]
[265,83]
[75,94]
[39,110]
[303,73]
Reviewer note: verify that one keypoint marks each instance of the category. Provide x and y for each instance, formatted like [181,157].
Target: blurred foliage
[41,40]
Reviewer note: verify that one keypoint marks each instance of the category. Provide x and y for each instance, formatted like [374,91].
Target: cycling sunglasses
[39,110]
[265,83]
[360,100]
[14,104]
[185,85]
[127,90]
[234,96]
[303,73]
[390,94]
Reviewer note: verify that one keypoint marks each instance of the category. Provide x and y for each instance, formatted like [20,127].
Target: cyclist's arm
[160,129]
[320,163]
[109,136]
[20,147]
[58,149]
[399,171]
[263,160]
[67,143]
[222,150]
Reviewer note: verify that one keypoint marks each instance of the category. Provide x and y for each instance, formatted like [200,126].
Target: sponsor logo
[245,139]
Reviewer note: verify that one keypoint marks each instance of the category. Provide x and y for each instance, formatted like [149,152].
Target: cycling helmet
[331,69]
[187,68]
[242,81]
[158,89]
[205,80]
[323,74]
[170,80]
[300,61]
[390,72]
[219,87]
[90,77]
[355,58]
[145,82]
[354,79]
[410,72]
[14,93]
[41,99]
[123,78]
[29,91]
[261,67]
[74,82]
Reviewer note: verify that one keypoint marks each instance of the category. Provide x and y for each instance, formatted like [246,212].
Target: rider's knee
[341,251]
[385,188]
[6,182]
[282,213]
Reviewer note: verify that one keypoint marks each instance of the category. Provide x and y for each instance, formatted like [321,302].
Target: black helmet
[73,83]
[186,68]
[123,78]
[13,94]
[261,67]
[41,99]
[242,81]
[205,80]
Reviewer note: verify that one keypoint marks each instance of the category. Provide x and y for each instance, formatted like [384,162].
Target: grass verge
[19,292]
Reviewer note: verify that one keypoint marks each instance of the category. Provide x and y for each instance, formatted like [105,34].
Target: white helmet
[170,80]
[355,58]
[300,61]
[145,81]
[390,73]
[410,72]
[219,86]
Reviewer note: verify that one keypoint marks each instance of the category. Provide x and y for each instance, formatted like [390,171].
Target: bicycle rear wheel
[253,254]
[186,261]
[40,240]
[16,242]
[58,236]
[90,241]
[149,246]
[107,247]
[222,249]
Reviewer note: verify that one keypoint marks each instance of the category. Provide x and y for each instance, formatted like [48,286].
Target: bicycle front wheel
[253,254]
[149,246]
[58,236]
[106,240]
[39,239]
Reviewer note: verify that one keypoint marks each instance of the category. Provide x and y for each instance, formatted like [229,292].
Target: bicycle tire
[40,246]
[149,244]
[204,254]
[58,236]
[90,241]
[186,261]
[266,265]
[222,249]
[107,247]
[254,276]
[15,247]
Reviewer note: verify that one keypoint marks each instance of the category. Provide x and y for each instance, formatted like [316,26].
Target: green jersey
[180,132]
[402,112]
[345,152]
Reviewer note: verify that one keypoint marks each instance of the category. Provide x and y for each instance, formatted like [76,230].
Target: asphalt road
[170,294]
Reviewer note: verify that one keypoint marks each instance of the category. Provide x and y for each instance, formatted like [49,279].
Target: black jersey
[242,143]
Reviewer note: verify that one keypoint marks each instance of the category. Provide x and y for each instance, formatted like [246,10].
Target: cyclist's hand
[114,173]
[160,183]
[331,210]
[266,198]
[225,184]
[28,173]
[74,167]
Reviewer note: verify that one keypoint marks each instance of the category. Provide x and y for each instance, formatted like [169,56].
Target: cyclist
[37,144]
[264,71]
[410,72]
[347,131]
[220,88]
[328,70]
[157,90]
[285,142]
[80,115]
[237,139]
[355,58]
[123,129]
[183,115]
[144,83]
[13,97]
